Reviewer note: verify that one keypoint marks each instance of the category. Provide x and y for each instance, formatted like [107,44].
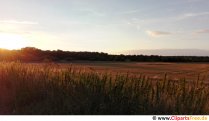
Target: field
[175,71]
[104,88]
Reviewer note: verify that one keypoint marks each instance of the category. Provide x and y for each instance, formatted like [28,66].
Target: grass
[52,89]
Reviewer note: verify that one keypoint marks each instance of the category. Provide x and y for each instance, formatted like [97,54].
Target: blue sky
[105,25]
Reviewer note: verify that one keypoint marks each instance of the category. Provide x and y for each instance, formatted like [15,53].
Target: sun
[12,41]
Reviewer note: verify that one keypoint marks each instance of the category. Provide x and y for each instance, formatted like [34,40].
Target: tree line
[32,54]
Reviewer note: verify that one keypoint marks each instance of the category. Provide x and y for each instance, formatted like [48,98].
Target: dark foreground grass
[50,89]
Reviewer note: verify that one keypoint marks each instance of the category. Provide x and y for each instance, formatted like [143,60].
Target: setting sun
[12,41]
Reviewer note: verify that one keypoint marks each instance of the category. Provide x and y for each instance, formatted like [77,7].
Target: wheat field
[56,89]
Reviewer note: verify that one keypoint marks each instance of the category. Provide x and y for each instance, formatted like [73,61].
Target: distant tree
[32,54]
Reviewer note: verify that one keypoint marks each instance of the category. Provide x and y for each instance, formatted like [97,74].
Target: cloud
[189,15]
[15,32]
[196,14]
[91,12]
[203,31]
[157,33]
[195,0]
[18,22]
[130,12]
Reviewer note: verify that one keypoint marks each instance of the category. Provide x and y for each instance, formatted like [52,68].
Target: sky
[104,25]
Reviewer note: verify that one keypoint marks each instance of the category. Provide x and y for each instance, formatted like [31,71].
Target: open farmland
[102,88]
[154,70]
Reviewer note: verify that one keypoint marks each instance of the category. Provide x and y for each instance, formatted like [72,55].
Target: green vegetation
[31,54]
[56,89]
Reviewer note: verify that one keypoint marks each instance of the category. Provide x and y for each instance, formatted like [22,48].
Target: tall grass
[53,89]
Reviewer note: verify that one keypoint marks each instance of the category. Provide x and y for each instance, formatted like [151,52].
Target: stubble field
[154,70]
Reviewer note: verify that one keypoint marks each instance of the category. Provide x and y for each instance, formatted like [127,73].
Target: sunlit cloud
[203,31]
[14,30]
[18,22]
[18,27]
[157,33]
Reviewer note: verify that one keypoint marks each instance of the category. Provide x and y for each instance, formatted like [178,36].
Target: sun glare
[12,41]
